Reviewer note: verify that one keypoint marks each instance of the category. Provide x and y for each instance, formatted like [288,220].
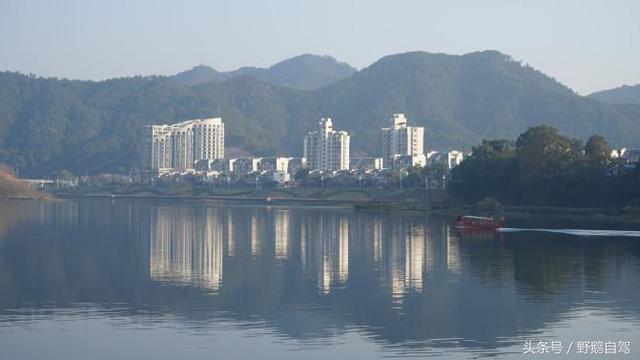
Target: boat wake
[576,232]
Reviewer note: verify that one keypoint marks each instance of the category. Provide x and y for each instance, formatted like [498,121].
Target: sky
[587,45]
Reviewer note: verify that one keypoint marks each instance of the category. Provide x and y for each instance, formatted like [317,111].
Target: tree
[546,168]
[301,175]
[488,172]
[597,149]
[542,152]
[493,149]
[412,180]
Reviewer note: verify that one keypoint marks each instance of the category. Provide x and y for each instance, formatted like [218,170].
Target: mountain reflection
[310,273]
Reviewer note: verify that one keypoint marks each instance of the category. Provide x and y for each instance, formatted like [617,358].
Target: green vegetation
[545,168]
[304,72]
[620,95]
[89,127]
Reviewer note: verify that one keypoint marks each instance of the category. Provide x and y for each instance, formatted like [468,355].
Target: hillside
[87,127]
[463,99]
[198,74]
[620,95]
[304,72]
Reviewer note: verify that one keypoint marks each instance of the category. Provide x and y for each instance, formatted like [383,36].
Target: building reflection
[414,258]
[453,250]
[430,251]
[395,263]
[401,252]
[256,233]
[186,247]
[325,254]
[377,239]
[343,250]
[402,278]
[303,245]
[282,235]
[231,240]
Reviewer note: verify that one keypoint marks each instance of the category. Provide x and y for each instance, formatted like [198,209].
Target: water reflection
[186,247]
[403,281]
[282,239]
[328,252]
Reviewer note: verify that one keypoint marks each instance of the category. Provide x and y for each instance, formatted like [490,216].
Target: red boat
[479,222]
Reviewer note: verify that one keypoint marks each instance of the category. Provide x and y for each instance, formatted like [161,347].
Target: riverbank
[10,188]
[387,200]
[352,196]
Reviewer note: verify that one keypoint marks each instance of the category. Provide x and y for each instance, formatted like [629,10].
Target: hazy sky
[587,45]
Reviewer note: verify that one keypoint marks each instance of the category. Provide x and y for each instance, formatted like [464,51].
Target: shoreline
[617,214]
[229,198]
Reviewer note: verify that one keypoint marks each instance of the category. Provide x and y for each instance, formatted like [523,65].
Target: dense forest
[88,127]
[543,167]
[620,95]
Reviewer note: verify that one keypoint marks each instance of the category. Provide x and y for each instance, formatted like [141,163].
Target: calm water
[122,279]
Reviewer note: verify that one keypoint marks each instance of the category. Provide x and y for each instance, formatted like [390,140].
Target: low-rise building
[243,165]
[273,164]
[632,155]
[366,163]
[281,177]
[450,159]
[295,164]
[406,161]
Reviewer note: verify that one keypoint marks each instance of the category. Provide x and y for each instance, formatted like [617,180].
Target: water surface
[105,279]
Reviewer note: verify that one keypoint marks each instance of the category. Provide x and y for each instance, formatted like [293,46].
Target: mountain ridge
[625,94]
[50,124]
[304,72]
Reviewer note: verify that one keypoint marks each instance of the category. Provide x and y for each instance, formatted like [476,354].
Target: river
[120,279]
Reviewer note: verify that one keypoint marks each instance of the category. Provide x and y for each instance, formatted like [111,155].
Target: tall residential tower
[399,139]
[327,149]
[178,146]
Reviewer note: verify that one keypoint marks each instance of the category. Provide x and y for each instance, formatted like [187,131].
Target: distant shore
[300,196]
[410,200]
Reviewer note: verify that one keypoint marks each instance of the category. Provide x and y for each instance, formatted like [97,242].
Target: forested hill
[86,126]
[304,72]
[620,95]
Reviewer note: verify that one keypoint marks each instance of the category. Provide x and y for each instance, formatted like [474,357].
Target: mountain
[198,74]
[88,127]
[620,95]
[463,99]
[305,72]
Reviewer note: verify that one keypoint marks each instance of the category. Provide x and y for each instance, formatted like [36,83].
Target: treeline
[543,167]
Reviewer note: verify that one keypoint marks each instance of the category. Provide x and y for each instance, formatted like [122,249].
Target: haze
[587,45]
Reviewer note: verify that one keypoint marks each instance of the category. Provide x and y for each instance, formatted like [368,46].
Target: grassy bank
[14,188]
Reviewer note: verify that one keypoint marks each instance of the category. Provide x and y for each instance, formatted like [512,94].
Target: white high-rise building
[177,147]
[400,139]
[327,149]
